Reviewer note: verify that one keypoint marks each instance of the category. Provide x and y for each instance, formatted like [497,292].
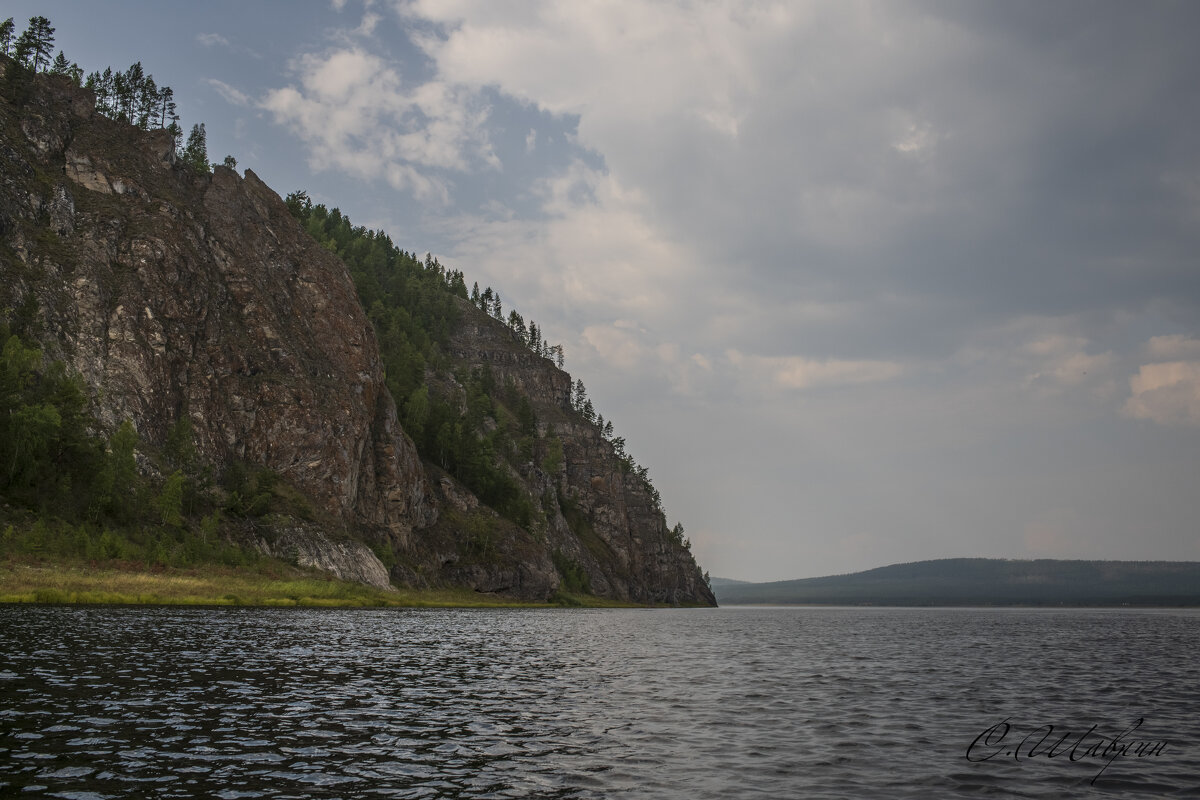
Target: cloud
[530,140]
[357,114]
[212,40]
[369,21]
[617,344]
[1166,393]
[977,163]
[797,372]
[1063,361]
[1168,348]
[231,95]
[587,257]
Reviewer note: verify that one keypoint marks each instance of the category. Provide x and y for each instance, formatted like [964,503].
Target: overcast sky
[859,282]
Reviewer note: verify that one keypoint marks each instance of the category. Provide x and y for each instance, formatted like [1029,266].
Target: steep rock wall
[615,531]
[173,293]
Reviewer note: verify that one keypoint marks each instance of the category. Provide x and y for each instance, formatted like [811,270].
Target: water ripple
[256,703]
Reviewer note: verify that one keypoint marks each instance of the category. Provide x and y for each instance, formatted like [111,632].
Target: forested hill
[985,582]
[488,404]
[195,369]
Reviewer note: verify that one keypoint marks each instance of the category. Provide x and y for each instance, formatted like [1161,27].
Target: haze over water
[111,702]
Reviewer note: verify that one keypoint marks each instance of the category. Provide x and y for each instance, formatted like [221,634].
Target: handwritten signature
[1040,742]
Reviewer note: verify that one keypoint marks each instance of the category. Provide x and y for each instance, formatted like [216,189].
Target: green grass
[279,585]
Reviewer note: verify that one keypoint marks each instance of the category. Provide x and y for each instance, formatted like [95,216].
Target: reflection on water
[99,703]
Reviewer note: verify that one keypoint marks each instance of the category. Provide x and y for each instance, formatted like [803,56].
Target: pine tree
[60,66]
[195,154]
[147,102]
[102,86]
[37,43]
[122,96]
[134,83]
[166,107]
[6,36]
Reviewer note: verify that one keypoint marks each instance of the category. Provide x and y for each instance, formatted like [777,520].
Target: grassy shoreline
[110,584]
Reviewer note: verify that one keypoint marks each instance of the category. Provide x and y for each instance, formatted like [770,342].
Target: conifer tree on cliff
[6,36]
[196,152]
[37,43]
[60,65]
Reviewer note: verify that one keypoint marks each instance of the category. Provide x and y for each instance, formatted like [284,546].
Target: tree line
[488,301]
[131,96]
[530,335]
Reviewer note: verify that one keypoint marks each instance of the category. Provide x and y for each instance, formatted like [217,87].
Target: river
[105,702]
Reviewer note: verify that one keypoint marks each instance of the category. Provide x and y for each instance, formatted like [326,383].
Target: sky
[859,282]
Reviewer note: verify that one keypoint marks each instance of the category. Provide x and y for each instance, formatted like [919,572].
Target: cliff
[178,295]
[597,514]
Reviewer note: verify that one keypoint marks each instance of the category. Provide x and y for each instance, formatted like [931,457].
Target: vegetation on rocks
[317,393]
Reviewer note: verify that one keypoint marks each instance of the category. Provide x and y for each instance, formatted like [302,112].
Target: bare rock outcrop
[178,294]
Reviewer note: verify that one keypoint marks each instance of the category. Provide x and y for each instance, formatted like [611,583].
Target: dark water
[728,703]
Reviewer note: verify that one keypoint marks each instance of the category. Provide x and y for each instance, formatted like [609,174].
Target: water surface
[711,703]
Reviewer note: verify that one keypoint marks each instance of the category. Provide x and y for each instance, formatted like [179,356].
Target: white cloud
[357,114]
[231,94]
[617,345]
[1166,393]
[592,258]
[212,40]
[798,372]
[367,26]
[1063,361]
[530,140]
[913,137]
[720,111]
[1173,347]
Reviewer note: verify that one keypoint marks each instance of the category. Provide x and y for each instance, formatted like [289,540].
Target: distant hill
[715,582]
[985,582]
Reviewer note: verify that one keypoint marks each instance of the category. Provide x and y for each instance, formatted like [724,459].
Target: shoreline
[23,583]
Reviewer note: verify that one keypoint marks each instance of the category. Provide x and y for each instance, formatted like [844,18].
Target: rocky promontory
[177,295]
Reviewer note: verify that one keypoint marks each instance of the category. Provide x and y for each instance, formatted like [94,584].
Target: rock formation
[175,294]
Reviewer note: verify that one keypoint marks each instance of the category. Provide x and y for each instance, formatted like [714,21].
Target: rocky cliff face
[605,520]
[175,294]
[179,294]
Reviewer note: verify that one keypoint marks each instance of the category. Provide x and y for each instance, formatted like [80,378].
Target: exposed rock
[173,294]
[308,546]
[616,533]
